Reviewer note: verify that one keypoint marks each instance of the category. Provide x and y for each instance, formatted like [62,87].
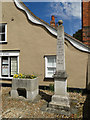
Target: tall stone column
[60,99]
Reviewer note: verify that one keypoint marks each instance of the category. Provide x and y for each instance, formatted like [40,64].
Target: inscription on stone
[60,49]
[60,100]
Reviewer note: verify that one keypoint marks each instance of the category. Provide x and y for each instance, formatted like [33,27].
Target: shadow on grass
[45,96]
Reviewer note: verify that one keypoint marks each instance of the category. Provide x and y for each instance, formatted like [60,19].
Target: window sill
[49,79]
[3,42]
[6,78]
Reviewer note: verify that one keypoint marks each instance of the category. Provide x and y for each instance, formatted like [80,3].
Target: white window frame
[4,33]
[46,66]
[8,54]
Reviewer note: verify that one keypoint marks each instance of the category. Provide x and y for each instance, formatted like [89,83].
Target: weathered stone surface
[14,93]
[30,85]
[60,100]
[60,87]
[61,110]
[32,94]
[60,104]
[61,75]
[60,59]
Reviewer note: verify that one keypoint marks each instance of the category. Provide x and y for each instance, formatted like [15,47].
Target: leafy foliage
[51,87]
[24,76]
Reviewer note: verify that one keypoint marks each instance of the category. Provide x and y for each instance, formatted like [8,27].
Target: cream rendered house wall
[34,42]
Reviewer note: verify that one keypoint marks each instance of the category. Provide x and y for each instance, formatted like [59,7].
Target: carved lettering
[60,50]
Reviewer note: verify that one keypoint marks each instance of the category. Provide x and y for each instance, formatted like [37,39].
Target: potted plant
[28,82]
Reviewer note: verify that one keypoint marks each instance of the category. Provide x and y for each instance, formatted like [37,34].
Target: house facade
[28,46]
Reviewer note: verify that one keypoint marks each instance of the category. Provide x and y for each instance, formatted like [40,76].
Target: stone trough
[30,85]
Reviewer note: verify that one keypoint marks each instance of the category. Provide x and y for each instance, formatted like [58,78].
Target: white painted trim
[33,19]
[78,45]
[18,63]
[0,66]
[45,66]
[6,78]
[5,33]
[9,54]
[3,42]
[9,66]
[75,43]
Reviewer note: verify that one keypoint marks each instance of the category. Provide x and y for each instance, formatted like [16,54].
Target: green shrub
[51,87]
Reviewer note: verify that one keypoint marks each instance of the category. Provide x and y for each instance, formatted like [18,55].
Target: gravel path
[22,108]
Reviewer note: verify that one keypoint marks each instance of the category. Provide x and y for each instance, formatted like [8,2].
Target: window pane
[5,66]
[4,69]
[51,71]
[4,60]
[2,28]
[2,37]
[51,61]
[13,65]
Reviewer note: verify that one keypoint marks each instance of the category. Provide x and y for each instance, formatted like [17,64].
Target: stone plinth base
[60,83]
[62,100]
[59,104]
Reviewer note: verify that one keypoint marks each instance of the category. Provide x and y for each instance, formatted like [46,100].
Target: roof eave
[77,44]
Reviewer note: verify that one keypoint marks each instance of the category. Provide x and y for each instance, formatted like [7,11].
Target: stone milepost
[60,99]
[60,49]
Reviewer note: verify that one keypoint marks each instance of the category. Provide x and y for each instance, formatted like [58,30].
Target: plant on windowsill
[28,82]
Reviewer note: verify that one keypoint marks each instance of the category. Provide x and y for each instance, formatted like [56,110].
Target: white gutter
[33,19]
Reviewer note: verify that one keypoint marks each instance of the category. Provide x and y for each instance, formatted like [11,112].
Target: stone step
[58,111]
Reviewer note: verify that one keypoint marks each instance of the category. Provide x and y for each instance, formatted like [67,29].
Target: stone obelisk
[60,99]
